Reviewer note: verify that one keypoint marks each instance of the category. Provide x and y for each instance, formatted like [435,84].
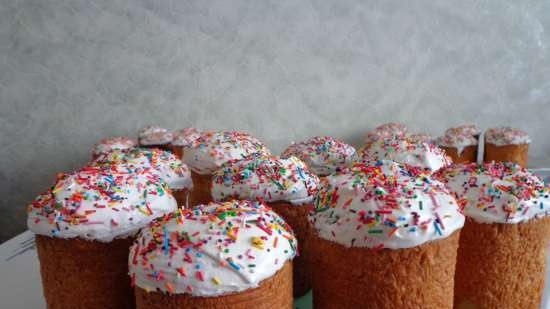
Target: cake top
[405,150]
[208,152]
[506,136]
[154,135]
[323,155]
[212,249]
[460,137]
[497,192]
[185,136]
[268,178]
[113,143]
[385,205]
[421,138]
[164,163]
[387,130]
[100,204]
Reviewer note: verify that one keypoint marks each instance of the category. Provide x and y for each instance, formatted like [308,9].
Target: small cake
[182,138]
[384,236]
[209,151]
[85,226]
[407,151]
[286,185]
[387,130]
[323,155]
[461,143]
[506,145]
[121,143]
[502,251]
[234,255]
[155,137]
[174,172]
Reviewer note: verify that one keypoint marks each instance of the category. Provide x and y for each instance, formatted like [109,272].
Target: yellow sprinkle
[216,281]
[258,243]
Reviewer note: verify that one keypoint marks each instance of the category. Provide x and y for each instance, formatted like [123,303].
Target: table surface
[21,288]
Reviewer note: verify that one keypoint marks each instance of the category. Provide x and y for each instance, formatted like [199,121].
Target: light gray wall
[72,72]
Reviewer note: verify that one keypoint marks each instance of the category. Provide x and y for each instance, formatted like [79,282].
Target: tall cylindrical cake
[230,255]
[388,130]
[119,143]
[421,138]
[503,245]
[170,169]
[384,236]
[209,151]
[461,143]
[85,226]
[405,150]
[506,145]
[182,138]
[286,185]
[323,155]
[155,137]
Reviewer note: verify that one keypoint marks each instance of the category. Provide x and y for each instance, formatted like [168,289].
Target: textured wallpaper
[72,72]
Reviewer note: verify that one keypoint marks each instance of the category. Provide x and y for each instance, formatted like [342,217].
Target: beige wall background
[72,72]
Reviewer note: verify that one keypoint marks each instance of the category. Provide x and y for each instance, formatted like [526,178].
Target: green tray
[304,302]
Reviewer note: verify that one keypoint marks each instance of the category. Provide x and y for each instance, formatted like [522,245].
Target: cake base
[507,153]
[501,266]
[182,197]
[468,154]
[165,147]
[296,217]
[273,293]
[84,274]
[177,151]
[200,194]
[357,278]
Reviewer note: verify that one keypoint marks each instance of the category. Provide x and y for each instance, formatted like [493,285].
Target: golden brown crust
[181,197]
[83,274]
[507,153]
[296,217]
[414,278]
[201,192]
[177,151]
[273,293]
[502,265]
[468,155]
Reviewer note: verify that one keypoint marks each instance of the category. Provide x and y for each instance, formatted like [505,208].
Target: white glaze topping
[460,137]
[323,155]
[100,204]
[266,177]
[497,192]
[387,130]
[185,136]
[113,143]
[385,205]
[212,149]
[506,136]
[406,151]
[168,166]
[154,135]
[212,250]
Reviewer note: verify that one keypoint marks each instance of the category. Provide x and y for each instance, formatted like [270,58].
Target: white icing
[506,136]
[498,193]
[406,151]
[460,137]
[384,206]
[100,204]
[185,136]
[387,130]
[154,135]
[212,149]
[269,178]
[323,154]
[213,243]
[113,143]
[164,163]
